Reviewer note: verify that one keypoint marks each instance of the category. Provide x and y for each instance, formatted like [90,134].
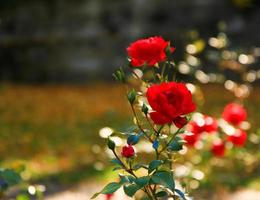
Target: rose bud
[234,113]
[218,148]
[190,138]
[169,101]
[128,151]
[238,138]
[148,51]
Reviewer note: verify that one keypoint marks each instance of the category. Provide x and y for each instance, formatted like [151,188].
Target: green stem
[150,124]
[139,125]
[162,72]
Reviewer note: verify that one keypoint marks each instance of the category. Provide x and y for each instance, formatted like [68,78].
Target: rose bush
[159,106]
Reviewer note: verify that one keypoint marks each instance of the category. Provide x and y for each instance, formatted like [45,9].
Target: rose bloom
[234,113]
[148,51]
[218,148]
[238,138]
[128,151]
[170,101]
[206,124]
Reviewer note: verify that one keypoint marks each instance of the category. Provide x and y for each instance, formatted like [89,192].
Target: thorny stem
[157,154]
[157,132]
[139,125]
[130,171]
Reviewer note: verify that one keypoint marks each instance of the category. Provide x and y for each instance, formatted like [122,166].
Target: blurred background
[57,91]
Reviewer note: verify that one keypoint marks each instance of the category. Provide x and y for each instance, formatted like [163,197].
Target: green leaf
[180,193]
[133,139]
[117,168]
[161,194]
[138,166]
[130,190]
[119,75]
[154,164]
[126,179]
[176,144]
[116,161]
[10,176]
[164,178]
[142,181]
[131,96]
[108,189]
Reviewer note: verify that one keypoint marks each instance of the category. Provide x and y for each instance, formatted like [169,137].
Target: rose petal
[159,118]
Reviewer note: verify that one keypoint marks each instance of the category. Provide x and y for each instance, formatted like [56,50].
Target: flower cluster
[227,129]
[161,108]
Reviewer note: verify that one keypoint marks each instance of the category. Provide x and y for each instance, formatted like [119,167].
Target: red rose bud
[190,138]
[128,151]
[234,113]
[218,148]
[148,51]
[180,121]
[169,101]
[238,138]
[109,196]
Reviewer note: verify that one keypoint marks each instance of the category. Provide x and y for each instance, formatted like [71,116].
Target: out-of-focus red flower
[109,196]
[218,148]
[234,113]
[170,101]
[128,151]
[238,138]
[205,124]
[148,51]
[190,138]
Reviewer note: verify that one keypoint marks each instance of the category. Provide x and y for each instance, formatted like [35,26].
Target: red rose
[109,196]
[234,113]
[170,101]
[190,138]
[128,151]
[218,148]
[205,124]
[149,51]
[238,138]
